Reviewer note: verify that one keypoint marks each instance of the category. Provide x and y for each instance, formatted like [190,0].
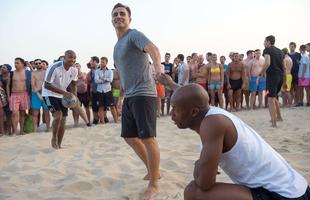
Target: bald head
[70,58]
[192,95]
[70,53]
[189,105]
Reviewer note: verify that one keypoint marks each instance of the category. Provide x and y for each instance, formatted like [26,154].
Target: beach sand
[96,163]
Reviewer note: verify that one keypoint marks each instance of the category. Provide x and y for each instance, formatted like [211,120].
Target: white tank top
[254,163]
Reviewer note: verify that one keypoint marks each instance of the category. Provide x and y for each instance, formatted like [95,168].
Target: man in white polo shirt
[58,77]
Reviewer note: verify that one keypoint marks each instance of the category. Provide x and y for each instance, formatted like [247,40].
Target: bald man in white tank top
[257,170]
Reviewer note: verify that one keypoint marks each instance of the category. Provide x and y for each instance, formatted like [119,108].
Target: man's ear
[194,112]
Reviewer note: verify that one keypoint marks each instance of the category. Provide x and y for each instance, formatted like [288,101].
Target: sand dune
[96,163]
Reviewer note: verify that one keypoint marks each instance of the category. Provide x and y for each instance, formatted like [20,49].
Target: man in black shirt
[295,56]
[168,70]
[274,69]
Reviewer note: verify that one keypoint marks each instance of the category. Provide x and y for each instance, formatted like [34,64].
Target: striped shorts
[19,101]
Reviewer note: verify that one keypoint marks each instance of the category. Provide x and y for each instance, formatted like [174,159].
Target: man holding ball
[58,77]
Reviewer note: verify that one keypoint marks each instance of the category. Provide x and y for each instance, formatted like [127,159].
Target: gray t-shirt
[133,64]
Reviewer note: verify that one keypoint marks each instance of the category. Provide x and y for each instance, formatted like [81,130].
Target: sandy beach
[96,163]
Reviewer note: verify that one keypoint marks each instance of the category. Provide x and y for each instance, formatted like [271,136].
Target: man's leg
[247,98]
[137,145]
[153,155]
[114,113]
[272,110]
[15,119]
[221,100]
[47,119]
[238,99]
[35,114]
[75,115]
[308,95]
[260,99]
[220,191]
[230,100]
[252,100]
[212,97]
[22,114]
[61,131]
[57,118]
[278,113]
[87,112]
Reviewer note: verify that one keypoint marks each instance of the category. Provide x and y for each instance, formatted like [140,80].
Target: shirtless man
[201,74]
[7,114]
[225,92]
[193,67]
[247,64]
[19,91]
[216,80]
[286,94]
[257,83]
[83,94]
[169,71]
[229,143]
[235,76]
[117,92]
[37,79]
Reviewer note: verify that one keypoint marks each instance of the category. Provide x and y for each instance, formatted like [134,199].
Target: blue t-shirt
[304,61]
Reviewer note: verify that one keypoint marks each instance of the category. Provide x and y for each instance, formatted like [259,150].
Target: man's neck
[292,52]
[197,122]
[121,32]
[20,70]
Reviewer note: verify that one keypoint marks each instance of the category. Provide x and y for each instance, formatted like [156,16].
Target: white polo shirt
[59,77]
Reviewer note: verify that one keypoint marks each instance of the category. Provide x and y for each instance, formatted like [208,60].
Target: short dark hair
[257,50]
[44,61]
[119,5]
[104,58]
[308,44]
[293,43]
[249,52]
[167,54]
[181,57]
[302,47]
[95,59]
[271,39]
[285,51]
[193,54]
[38,59]
[209,54]
[21,60]
[223,57]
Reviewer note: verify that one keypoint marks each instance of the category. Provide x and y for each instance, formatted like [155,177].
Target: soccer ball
[69,103]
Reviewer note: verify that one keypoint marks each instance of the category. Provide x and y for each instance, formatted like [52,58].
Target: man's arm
[212,137]
[98,79]
[227,75]
[50,87]
[73,86]
[8,85]
[166,80]
[153,51]
[267,64]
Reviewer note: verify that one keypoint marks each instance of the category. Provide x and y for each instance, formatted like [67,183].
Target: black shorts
[273,85]
[106,100]
[139,117]
[235,84]
[263,194]
[83,98]
[94,102]
[54,104]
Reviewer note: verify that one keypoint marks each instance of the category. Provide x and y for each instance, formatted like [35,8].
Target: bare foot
[150,192]
[54,143]
[147,177]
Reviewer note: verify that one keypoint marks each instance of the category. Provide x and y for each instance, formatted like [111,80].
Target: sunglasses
[37,63]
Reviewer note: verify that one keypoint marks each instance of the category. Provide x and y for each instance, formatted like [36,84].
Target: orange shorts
[160,90]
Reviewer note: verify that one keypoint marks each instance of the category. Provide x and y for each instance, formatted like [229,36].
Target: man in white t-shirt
[183,71]
[58,77]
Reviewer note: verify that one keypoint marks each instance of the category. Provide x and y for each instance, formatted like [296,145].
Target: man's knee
[191,191]
[57,115]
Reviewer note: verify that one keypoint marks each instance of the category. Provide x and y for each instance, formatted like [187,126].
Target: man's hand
[164,79]
[68,95]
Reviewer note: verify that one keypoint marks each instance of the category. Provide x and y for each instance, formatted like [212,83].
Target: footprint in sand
[78,187]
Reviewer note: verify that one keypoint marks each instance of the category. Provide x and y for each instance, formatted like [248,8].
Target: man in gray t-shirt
[131,59]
